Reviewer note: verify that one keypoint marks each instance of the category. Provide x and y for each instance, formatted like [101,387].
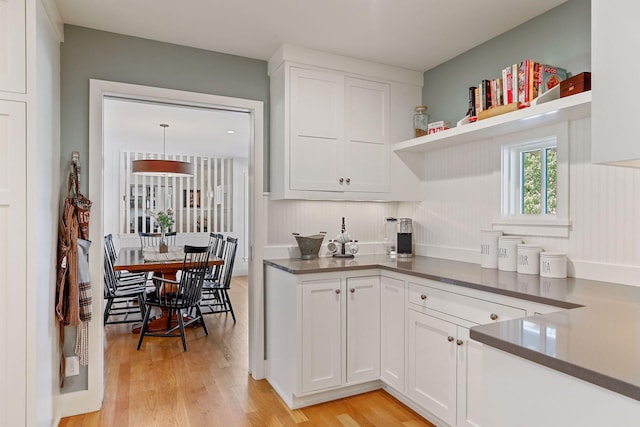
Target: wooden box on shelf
[496,111]
[576,84]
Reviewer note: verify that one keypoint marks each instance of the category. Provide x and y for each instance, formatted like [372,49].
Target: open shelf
[558,110]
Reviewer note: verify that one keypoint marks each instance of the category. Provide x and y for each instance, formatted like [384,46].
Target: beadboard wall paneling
[364,220]
[462,196]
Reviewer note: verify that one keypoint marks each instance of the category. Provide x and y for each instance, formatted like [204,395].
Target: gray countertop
[598,340]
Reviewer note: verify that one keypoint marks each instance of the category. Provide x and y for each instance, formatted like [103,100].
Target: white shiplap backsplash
[462,196]
[364,222]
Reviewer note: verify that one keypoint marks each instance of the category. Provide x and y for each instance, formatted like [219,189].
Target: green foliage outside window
[535,195]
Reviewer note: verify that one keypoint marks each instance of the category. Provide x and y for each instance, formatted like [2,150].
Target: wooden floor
[209,385]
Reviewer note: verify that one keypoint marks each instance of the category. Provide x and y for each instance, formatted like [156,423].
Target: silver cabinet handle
[450,338]
[494,316]
[459,342]
[341,180]
[423,297]
[352,290]
[337,291]
[348,180]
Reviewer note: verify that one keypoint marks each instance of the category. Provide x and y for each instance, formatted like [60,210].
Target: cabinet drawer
[468,308]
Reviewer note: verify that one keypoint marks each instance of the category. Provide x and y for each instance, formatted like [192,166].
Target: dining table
[165,265]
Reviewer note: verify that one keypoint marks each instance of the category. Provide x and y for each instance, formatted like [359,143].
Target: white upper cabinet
[13,55]
[332,125]
[615,136]
[367,136]
[317,120]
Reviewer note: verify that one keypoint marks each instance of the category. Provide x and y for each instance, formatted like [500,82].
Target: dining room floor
[209,385]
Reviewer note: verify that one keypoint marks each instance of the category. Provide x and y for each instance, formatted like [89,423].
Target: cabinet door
[13,253]
[432,365]
[321,334]
[613,37]
[392,297]
[12,46]
[366,136]
[363,329]
[469,380]
[317,130]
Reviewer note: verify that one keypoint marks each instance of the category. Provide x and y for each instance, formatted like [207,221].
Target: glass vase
[164,248]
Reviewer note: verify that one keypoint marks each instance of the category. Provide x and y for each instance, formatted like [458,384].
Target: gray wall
[560,37]
[91,54]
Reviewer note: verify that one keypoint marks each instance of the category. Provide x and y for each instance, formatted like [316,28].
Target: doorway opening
[100,93]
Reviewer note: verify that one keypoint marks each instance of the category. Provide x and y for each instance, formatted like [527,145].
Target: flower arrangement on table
[165,221]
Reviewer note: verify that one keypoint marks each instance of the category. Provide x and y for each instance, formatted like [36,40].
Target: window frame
[511,220]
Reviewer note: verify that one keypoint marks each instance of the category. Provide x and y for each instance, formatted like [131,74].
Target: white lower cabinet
[363,329]
[392,327]
[444,371]
[321,334]
[340,322]
[330,335]
[432,365]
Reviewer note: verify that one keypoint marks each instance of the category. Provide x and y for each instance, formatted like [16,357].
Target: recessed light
[231,131]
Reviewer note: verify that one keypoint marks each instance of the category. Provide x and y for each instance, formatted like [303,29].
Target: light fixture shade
[162,168]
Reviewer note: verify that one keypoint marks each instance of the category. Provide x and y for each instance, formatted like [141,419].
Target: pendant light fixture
[153,167]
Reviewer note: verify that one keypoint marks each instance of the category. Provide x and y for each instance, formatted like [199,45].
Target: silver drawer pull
[337,291]
[494,316]
[450,338]
[459,342]
[341,180]
[348,180]
[352,290]
[423,297]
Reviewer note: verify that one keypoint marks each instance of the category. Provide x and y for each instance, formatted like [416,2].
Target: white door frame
[98,90]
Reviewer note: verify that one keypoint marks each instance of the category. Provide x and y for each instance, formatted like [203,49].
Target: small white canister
[508,252]
[489,248]
[529,259]
[553,264]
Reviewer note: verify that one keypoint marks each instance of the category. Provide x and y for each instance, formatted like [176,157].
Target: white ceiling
[135,126]
[412,34]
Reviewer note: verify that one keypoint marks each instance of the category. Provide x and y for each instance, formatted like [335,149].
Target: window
[535,182]
[532,178]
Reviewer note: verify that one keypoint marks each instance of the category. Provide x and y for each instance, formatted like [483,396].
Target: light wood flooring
[209,385]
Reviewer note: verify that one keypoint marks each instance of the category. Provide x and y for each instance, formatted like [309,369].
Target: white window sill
[543,227]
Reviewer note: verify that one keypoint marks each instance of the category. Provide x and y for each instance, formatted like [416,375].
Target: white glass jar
[529,259]
[420,120]
[508,252]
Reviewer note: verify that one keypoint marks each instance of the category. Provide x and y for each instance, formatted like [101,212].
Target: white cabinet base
[297,402]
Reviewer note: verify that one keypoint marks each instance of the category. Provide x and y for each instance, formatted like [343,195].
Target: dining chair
[179,297]
[152,240]
[215,296]
[123,296]
[216,241]
[112,253]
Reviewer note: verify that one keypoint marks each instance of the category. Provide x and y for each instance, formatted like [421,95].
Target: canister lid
[553,254]
[529,246]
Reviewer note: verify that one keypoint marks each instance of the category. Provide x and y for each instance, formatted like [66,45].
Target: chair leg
[143,329]
[107,310]
[141,306]
[182,332]
[169,315]
[199,314]
[227,302]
